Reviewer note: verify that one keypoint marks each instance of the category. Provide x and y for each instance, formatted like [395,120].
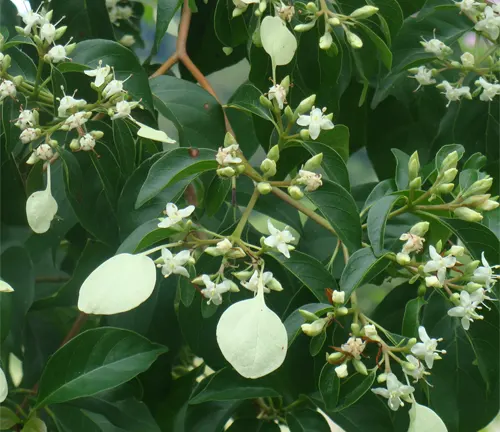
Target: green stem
[236,235]
[38,77]
[294,404]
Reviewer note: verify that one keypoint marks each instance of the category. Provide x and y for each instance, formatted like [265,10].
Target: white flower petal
[304,120]
[5,287]
[314,130]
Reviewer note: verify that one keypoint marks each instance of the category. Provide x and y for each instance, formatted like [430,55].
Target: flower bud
[467,60]
[355,329]
[229,139]
[262,6]
[18,80]
[341,311]
[274,153]
[264,188]
[471,267]
[411,342]
[335,357]
[304,134]
[240,169]
[226,172]
[268,167]
[6,61]
[295,192]
[97,134]
[325,41]
[449,175]
[382,378]
[456,251]
[422,289]
[403,258]
[314,162]
[232,286]
[408,366]
[468,214]
[198,281]
[420,229]
[315,328]
[300,28]
[479,187]
[70,48]
[227,50]
[473,286]
[238,11]
[309,316]
[416,183]
[413,166]
[38,41]
[275,285]
[288,113]
[338,296]
[60,32]
[236,253]
[364,12]
[243,275]
[74,144]
[354,40]
[213,251]
[285,83]
[439,246]
[446,188]
[359,366]
[265,102]
[334,21]
[311,7]
[342,371]
[488,205]
[476,200]
[450,161]
[306,105]
[370,332]
[20,30]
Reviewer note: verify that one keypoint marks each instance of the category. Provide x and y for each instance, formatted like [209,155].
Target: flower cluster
[121,10]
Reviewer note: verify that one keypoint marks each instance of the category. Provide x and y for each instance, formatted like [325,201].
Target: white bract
[466,310]
[252,337]
[5,287]
[213,291]
[277,92]
[118,285]
[490,90]
[395,392]
[310,180]
[484,274]
[424,77]
[439,264]
[153,134]
[427,349]
[315,122]
[174,264]
[4,389]
[100,73]
[423,419]
[228,155]
[175,215]
[7,89]
[41,207]
[279,239]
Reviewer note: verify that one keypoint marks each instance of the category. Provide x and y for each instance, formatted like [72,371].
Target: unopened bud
[314,162]
[227,50]
[325,41]
[471,267]
[473,286]
[74,144]
[285,83]
[300,28]
[439,246]
[355,329]
[268,167]
[240,169]
[403,258]
[264,188]
[354,40]
[295,192]
[309,316]
[315,328]
[229,139]
[450,161]
[456,251]
[265,102]
[262,6]
[236,253]
[411,342]
[413,166]
[60,32]
[306,104]
[198,281]
[304,134]
[449,175]
[213,251]
[479,187]
[226,172]
[20,30]
[420,229]
[422,289]
[5,63]
[238,11]
[274,153]
[37,40]
[70,48]
[275,285]
[288,113]
[335,357]
[364,12]
[382,378]
[18,80]
[311,7]
[416,183]
[468,214]
[97,134]
[359,366]
[488,205]
[476,200]
[243,275]
[334,21]
[341,311]
[232,286]
[446,188]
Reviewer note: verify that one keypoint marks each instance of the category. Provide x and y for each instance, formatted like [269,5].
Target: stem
[236,235]
[334,255]
[39,71]
[157,248]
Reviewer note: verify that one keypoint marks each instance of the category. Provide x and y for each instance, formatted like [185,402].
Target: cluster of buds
[229,158]
[306,178]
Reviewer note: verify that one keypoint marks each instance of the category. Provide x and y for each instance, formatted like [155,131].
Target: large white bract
[153,134]
[41,207]
[4,389]
[277,40]
[422,419]
[252,337]
[118,285]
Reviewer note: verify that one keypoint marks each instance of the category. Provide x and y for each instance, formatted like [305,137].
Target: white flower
[253,283]
[454,94]
[436,47]
[69,103]
[338,296]
[467,59]
[484,274]
[114,87]
[427,349]
[124,12]
[316,122]
[466,310]
[87,142]
[113,14]
[479,296]
[127,40]
[48,32]
[414,368]
[4,389]
[414,243]
[213,291]
[439,264]
[173,264]
[41,207]
[100,73]
[278,239]
[44,152]
[175,215]
[395,392]
[354,347]
[28,135]
[111,3]
[221,248]
[285,12]
[26,119]
[310,180]
[31,19]
[490,90]
[490,24]
[342,371]
[76,120]
[315,328]
[228,155]
[7,89]
[424,77]
[468,6]
[277,92]
[57,54]
[433,282]
[123,109]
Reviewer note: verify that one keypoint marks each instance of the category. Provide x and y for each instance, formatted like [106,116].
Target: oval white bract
[4,389]
[153,134]
[118,285]
[252,337]
[277,40]
[5,286]
[423,419]
[41,207]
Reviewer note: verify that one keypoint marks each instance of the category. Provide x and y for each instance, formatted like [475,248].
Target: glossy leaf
[354,389]
[8,418]
[307,420]
[411,319]
[402,160]
[125,145]
[329,386]
[377,220]
[216,194]
[316,344]
[165,11]
[295,319]
[246,98]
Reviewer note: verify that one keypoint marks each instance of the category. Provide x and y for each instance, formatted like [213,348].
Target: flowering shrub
[245,276]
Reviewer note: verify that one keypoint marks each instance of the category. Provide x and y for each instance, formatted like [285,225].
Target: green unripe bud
[413,166]
[341,311]
[476,200]
[335,357]
[306,105]
[382,378]
[74,145]
[232,286]
[37,40]
[20,30]
[70,48]
[265,102]
[411,342]
[468,214]
[311,7]
[355,328]
[60,32]
[97,135]
[226,172]
[449,161]
[334,21]
[472,286]
[449,175]
[416,183]
[295,192]
[238,11]
[243,275]
[422,289]
[314,163]
[488,205]
[275,285]
[6,62]
[403,258]
[274,153]
[300,28]
[268,167]
[420,229]
[360,367]
[240,169]
[439,246]
[471,267]
[354,40]
[446,188]
[229,140]
[308,316]
[288,113]
[285,83]
[479,187]
[18,80]
[262,6]
[236,253]
[48,15]
[198,281]
[264,188]
[304,134]
[364,12]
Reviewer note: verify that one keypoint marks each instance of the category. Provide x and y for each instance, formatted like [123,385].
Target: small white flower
[479,296]
[338,296]
[354,347]
[454,94]
[456,250]
[253,283]
[127,40]
[427,349]
[436,47]
[175,215]
[87,142]
[57,54]
[315,328]
[228,155]
[111,3]
[316,122]
[123,109]
[114,87]
[100,73]
[7,89]
[310,180]
[44,152]
[371,332]
[342,371]
[484,274]
[415,368]
[490,24]
[224,246]
[29,134]
[76,120]
[490,90]
[468,6]
[26,119]
[4,287]
[439,264]
[279,239]
[213,291]
[395,392]
[467,59]
[414,243]
[279,93]
[31,19]
[174,264]
[69,103]
[424,77]
[113,14]
[285,12]
[48,32]
[466,310]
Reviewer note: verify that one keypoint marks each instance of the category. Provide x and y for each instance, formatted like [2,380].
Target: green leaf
[306,421]
[165,11]
[411,319]
[227,384]
[210,416]
[353,389]
[383,49]
[329,386]
[383,188]
[185,288]
[402,159]
[125,64]
[125,143]
[195,113]
[253,425]
[362,267]
[377,220]
[246,98]
[216,194]
[295,319]
[34,424]
[8,418]
[309,271]
[231,31]
[337,139]
[339,208]
[175,165]
[316,344]
[94,361]
[446,150]
[10,111]
[21,64]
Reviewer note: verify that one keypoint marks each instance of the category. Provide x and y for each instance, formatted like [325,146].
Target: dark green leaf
[411,319]
[165,11]
[253,425]
[402,160]
[246,98]
[295,319]
[384,51]
[353,389]
[316,344]
[94,361]
[385,187]
[125,143]
[8,418]
[475,161]
[307,421]
[210,416]
[216,194]
[329,386]
[337,139]
[186,289]
[21,64]
[231,31]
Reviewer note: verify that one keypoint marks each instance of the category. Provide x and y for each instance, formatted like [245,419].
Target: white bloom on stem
[4,389]
[175,215]
[479,296]
[75,121]
[253,283]
[44,152]
[224,246]
[342,371]
[69,103]
[48,32]
[7,89]
[433,282]
[123,109]
[31,19]
[454,94]
[468,6]
[424,76]
[490,90]
[427,349]
[100,73]
[394,392]
[414,368]
[484,274]
[279,239]
[466,310]
[414,243]
[57,54]
[30,134]
[354,347]
[213,291]
[439,264]
[316,122]
[436,47]
[124,12]
[371,332]
[41,207]
[310,180]
[87,142]
[277,92]
[490,24]
[26,119]
[114,87]
[174,264]
[228,155]
[127,40]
